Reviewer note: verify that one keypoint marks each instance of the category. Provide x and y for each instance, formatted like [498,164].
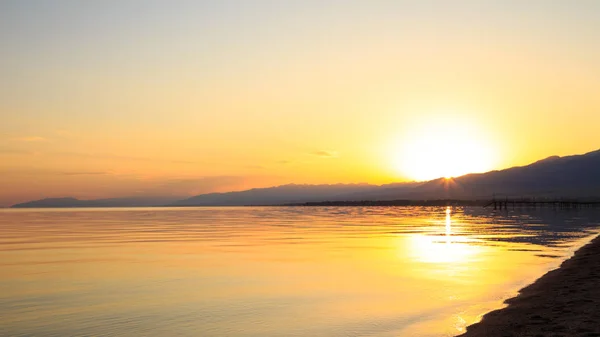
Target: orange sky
[103,99]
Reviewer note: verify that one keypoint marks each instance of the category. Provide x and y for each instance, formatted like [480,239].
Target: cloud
[119,157]
[84,173]
[325,154]
[4,150]
[255,167]
[47,172]
[29,139]
[11,151]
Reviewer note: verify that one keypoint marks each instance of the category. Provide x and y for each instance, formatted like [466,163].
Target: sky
[121,98]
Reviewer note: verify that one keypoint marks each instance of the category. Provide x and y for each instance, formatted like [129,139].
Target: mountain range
[576,176]
[110,202]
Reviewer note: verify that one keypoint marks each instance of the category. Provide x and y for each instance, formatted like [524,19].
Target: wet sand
[563,302]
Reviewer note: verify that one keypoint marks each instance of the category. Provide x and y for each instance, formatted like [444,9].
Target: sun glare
[444,148]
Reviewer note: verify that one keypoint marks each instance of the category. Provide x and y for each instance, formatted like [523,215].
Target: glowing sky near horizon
[116,98]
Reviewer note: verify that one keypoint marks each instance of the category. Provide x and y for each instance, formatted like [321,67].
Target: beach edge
[563,302]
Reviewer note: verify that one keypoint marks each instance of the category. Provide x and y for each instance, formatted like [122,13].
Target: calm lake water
[272,271]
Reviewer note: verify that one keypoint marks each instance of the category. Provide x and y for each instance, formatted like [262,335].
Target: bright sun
[444,147]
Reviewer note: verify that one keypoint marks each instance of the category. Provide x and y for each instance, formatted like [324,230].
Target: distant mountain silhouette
[554,177]
[575,176]
[284,194]
[112,202]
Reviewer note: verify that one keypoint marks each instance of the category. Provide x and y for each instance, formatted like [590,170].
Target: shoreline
[562,302]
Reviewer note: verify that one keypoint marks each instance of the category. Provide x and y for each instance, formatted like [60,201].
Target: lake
[272,271]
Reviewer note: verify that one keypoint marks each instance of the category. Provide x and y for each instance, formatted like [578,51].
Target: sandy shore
[563,302]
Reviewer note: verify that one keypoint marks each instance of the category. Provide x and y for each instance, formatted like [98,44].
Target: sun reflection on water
[446,248]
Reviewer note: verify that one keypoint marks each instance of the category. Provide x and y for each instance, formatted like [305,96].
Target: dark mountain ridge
[576,176]
[285,194]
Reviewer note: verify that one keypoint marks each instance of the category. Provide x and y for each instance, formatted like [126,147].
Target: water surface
[272,271]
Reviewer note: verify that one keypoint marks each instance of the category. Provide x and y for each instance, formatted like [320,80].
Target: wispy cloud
[92,155]
[49,172]
[255,167]
[84,173]
[11,151]
[29,139]
[125,158]
[325,154]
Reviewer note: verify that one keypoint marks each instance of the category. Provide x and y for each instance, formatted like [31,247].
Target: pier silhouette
[536,203]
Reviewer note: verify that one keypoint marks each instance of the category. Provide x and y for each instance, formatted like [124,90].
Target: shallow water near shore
[272,271]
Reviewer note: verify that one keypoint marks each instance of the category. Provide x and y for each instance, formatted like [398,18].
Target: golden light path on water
[449,250]
[271,271]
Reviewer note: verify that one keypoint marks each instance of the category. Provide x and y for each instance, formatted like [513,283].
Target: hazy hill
[112,202]
[284,194]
